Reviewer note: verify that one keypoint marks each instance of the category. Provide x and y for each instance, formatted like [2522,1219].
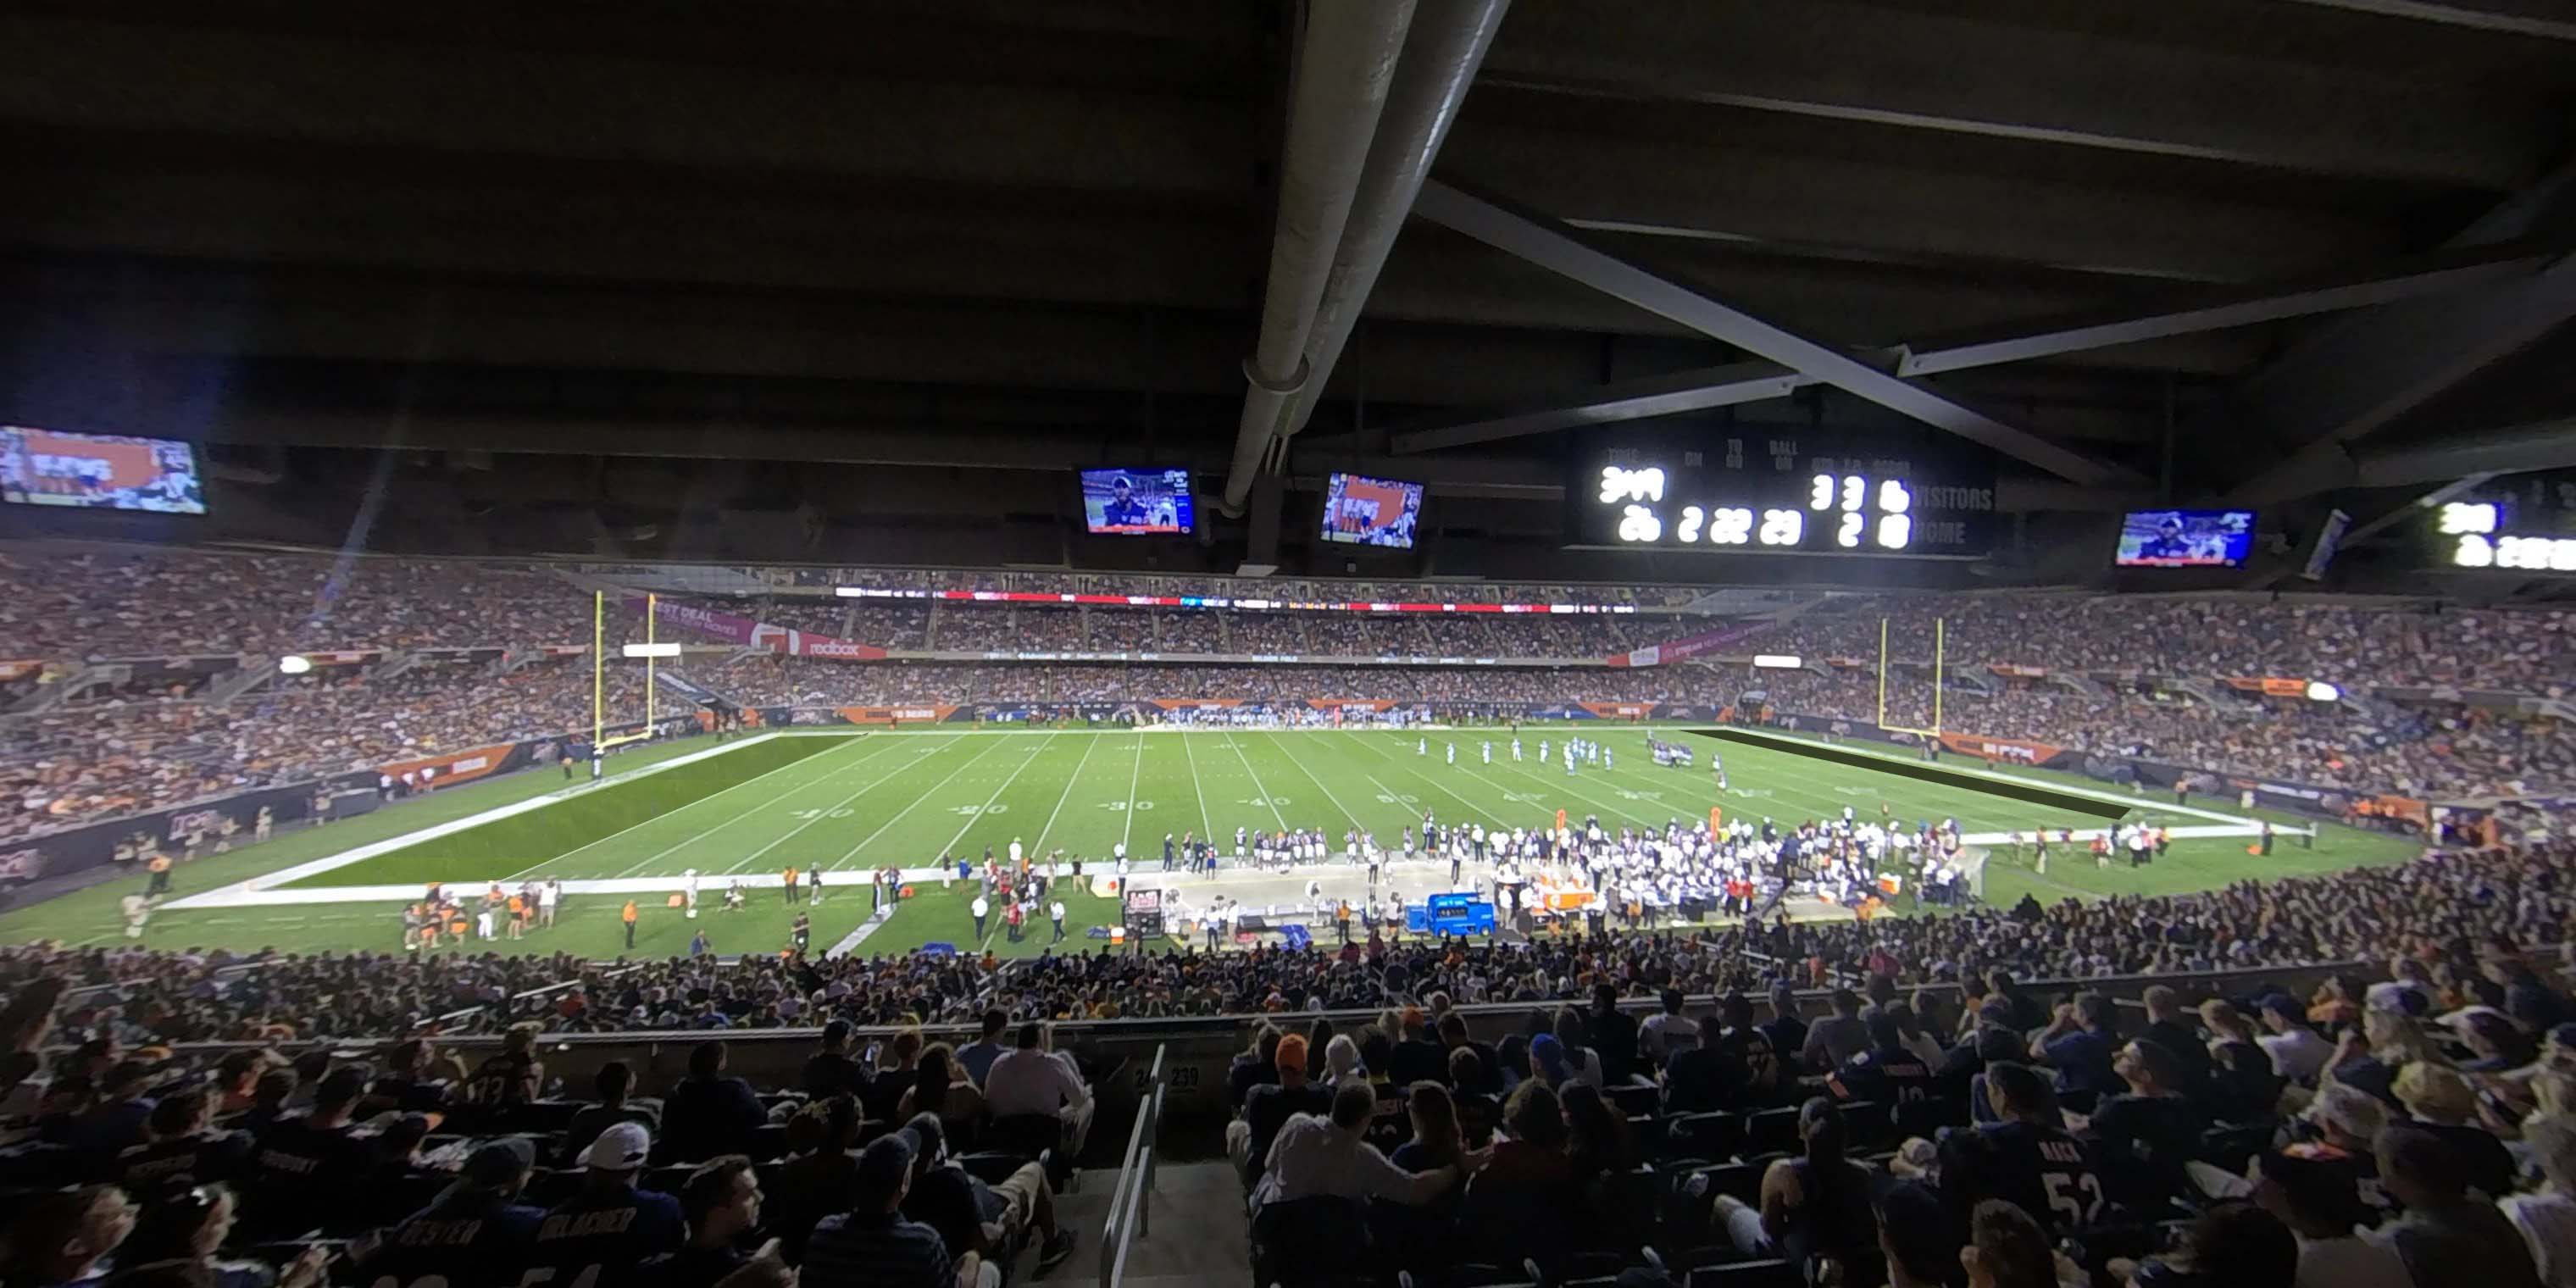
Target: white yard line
[1256,782]
[1473,809]
[807,785]
[327,863]
[1039,846]
[650,819]
[1133,777]
[799,830]
[1205,820]
[910,808]
[995,797]
[1350,820]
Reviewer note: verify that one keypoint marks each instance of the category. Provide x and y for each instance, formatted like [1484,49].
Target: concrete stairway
[1196,1229]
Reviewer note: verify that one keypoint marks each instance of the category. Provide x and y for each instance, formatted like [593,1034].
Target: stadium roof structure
[798,279]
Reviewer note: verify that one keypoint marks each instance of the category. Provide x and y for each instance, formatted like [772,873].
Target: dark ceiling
[866,277]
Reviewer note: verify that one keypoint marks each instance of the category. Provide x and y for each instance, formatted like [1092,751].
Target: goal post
[1939,665]
[600,742]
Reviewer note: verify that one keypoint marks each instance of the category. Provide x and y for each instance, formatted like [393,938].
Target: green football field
[850,802]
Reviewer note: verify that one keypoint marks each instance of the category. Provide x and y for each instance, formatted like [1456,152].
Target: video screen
[99,471]
[1371,512]
[1136,502]
[2185,538]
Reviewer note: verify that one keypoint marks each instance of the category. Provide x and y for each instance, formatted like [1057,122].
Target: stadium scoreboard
[2527,525]
[1780,492]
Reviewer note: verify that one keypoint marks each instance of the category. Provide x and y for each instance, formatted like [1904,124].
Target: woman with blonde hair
[1436,1140]
[2370,1056]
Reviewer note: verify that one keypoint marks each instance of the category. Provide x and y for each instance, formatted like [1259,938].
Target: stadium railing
[1131,1202]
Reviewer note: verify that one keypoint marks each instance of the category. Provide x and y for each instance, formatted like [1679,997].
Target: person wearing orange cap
[1267,1106]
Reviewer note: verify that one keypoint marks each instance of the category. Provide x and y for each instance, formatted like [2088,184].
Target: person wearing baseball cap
[608,1225]
[874,1244]
[476,1232]
[1266,1108]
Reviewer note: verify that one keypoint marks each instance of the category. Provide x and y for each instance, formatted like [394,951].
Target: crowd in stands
[95,760]
[103,602]
[2416,750]
[391,1160]
[2415,1132]
[1939,1122]
[2349,645]
[1267,633]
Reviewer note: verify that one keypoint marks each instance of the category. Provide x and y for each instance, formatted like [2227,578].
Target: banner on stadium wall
[1177,704]
[462,766]
[1619,710]
[2268,686]
[2012,671]
[921,713]
[567,650]
[1372,704]
[344,656]
[2013,750]
[737,629]
[1687,647]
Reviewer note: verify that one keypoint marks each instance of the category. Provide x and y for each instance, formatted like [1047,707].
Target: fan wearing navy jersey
[1887,1073]
[1749,1063]
[2142,1138]
[601,1233]
[2025,1159]
[310,1169]
[475,1233]
[182,1151]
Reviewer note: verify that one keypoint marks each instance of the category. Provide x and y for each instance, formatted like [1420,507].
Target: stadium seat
[1770,1131]
[1925,1118]
[1635,1098]
[2231,1147]
[1748,1274]
[1309,1241]
[1712,1136]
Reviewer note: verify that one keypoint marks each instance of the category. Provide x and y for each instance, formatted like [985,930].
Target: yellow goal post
[599,739]
[1939,662]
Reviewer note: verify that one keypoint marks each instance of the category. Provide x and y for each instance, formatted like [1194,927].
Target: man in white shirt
[1015,854]
[1031,1080]
[549,896]
[2298,1054]
[1055,911]
[1314,1156]
[1668,1030]
[981,908]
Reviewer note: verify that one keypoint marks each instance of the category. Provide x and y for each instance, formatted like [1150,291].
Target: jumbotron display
[1767,495]
[99,471]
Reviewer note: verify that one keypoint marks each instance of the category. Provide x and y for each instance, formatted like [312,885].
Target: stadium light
[849,592]
[1777,661]
[649,650]
[2320,691]
[294,664]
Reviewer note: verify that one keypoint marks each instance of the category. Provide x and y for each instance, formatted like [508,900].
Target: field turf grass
[905,798]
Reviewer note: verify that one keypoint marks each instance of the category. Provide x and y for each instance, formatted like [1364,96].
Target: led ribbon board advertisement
[1781,493]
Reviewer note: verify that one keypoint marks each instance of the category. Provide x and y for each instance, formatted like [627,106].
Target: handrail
[1130,1213]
